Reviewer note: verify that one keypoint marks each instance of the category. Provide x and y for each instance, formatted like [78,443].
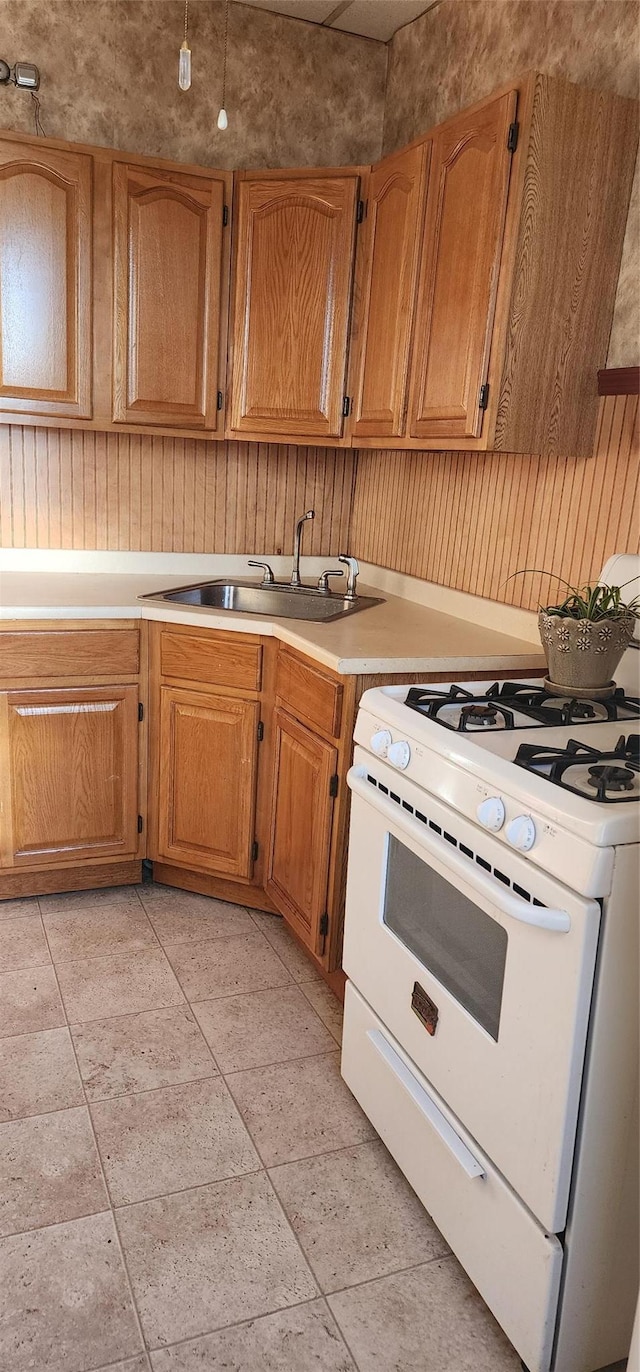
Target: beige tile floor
[186,1184]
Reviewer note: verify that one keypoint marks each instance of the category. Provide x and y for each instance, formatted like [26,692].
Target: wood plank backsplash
[469,521]
[79,489]
[460,519]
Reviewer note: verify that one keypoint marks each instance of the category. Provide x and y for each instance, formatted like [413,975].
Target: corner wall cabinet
[485,258]
[291,302]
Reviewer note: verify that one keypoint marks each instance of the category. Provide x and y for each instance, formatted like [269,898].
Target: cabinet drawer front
[213,660]
[71,652]
[308,694]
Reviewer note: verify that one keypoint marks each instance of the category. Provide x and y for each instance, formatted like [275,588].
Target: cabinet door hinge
[512,136]
[260,731]
[140,712]
[483,398]
[361,211]
[225,216]
[346,406]
[324,930]
[333,785]
[219,400]
[254,851]
[139,824]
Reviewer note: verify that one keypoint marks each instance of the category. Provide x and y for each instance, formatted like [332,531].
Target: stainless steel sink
[277,601]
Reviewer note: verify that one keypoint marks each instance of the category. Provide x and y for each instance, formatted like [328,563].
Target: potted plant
[584,637]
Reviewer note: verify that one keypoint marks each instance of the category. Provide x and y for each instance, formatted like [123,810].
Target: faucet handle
[352,575]
[323,581]
[268,578]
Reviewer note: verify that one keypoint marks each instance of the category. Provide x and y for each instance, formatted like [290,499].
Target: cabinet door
[464,227]
[291,304]
[301,820]
[168,265]
[207,784]
[70,775]
[45,281]
[384,318]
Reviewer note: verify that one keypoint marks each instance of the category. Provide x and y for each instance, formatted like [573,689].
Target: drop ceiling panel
[316,11]
[368,18]
[378,18]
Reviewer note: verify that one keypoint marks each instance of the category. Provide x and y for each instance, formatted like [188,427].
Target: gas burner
[608,778]
[484,715]
[515,705]
[614,775]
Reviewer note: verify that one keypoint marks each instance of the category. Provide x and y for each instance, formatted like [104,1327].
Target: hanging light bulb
[223,122]
[184,62]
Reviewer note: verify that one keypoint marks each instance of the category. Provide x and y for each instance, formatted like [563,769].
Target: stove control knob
[490,812]
[521,833]
[399,755]
[381,742]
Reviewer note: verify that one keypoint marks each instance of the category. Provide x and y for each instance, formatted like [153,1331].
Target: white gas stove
[491,1011]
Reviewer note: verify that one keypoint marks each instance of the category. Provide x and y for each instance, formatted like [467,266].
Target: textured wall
[297,94]
[462,49]
[470,520]
[75,489]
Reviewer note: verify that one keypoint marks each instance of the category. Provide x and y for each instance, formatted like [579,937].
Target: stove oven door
[482,968]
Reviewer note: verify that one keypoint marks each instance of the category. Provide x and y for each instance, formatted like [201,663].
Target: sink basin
[277,601]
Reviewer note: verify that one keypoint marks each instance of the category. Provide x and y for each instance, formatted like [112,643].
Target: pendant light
[184,63]
[223,122]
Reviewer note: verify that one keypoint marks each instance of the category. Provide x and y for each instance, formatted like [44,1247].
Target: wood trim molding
[619,381]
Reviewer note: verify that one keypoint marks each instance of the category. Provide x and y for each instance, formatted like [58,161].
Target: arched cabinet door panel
[464,229]
[45,281]
[167,285]
[388,282]
[295,239]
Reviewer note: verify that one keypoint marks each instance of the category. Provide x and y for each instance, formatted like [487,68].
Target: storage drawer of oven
[513,1263]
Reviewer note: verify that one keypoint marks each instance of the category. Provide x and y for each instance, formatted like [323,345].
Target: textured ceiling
[369,18]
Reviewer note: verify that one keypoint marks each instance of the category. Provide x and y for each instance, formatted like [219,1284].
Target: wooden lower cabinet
[69,782]
[303,793]
[208,755]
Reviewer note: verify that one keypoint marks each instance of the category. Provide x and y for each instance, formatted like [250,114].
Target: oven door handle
[540,916]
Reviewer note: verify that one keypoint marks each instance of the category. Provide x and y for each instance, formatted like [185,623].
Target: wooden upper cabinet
[70,787]
[293,271]
[167,292]
[386,289]
[464,227]
[45,281]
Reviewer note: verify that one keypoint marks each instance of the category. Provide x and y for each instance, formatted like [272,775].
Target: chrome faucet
[352,575]
[295,574]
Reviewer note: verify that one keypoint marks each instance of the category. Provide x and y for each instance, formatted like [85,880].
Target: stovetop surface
[554,770]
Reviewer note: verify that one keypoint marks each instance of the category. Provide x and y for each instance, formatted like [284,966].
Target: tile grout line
[111,1210]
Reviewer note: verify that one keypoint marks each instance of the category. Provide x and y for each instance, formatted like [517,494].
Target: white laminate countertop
[401,635]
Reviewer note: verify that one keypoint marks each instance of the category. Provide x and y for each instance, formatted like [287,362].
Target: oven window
[460,944]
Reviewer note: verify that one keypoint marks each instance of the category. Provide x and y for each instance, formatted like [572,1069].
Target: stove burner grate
[612,775]
[497,707]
